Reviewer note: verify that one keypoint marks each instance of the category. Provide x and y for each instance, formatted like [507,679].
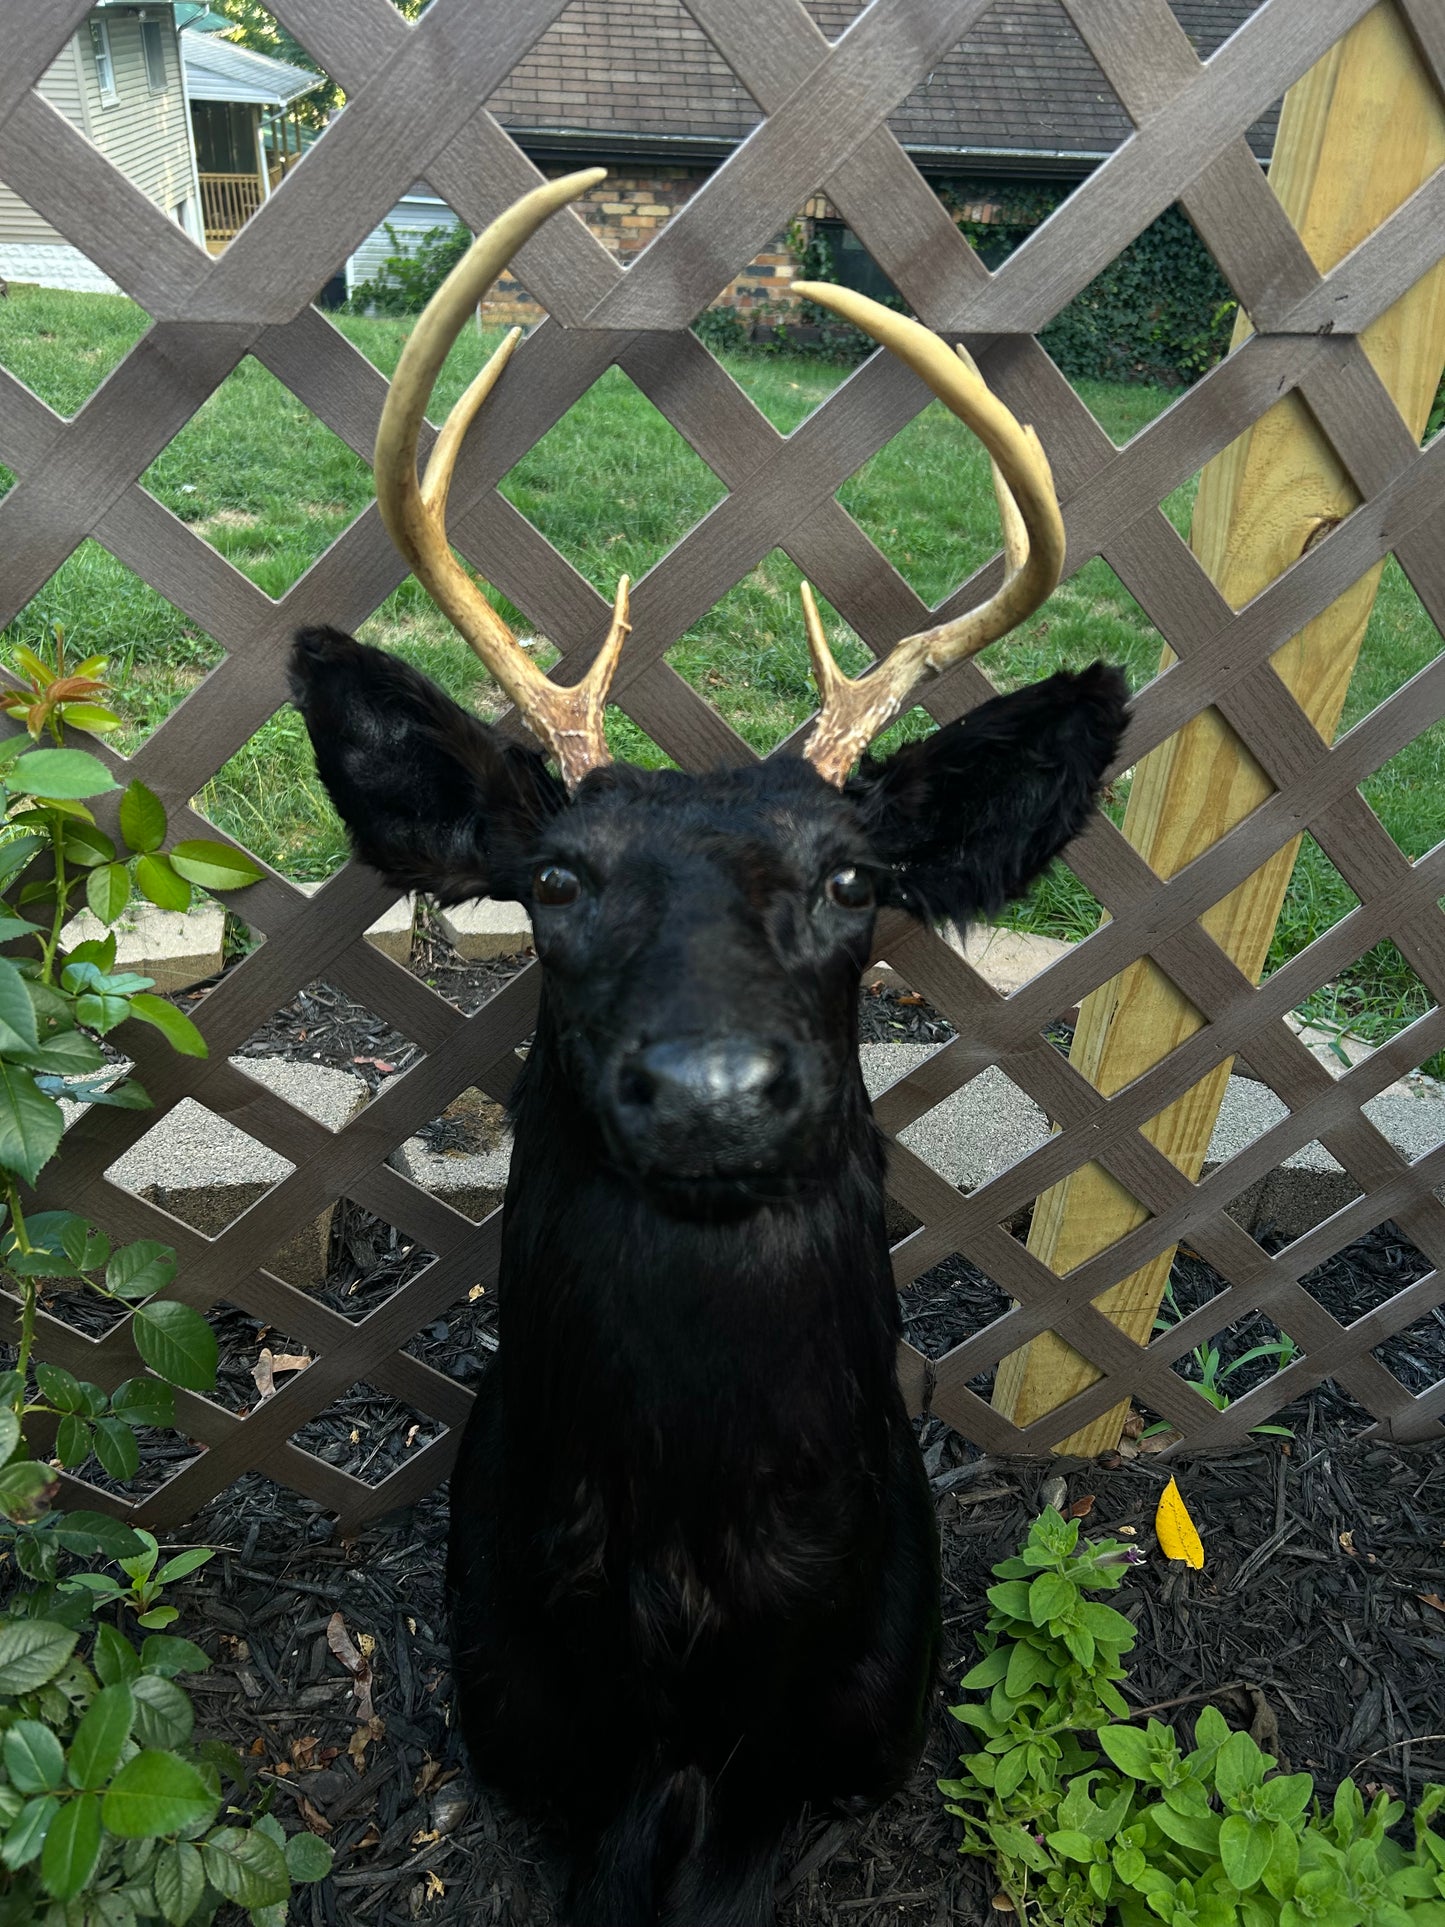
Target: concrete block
[471,1178]
[1326,1046]
[971,1136]
[1006,959]
[177,949]
[206,1169]
[486,928]
[1310,1185]
[392,932]
[991,1124]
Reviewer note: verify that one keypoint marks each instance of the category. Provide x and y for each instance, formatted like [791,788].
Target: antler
[1033,536]
[568,719]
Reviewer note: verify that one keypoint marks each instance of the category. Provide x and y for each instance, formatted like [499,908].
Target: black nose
[707,1105]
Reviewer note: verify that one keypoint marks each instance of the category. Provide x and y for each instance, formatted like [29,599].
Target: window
[853,266]
[154,48]
[104,70]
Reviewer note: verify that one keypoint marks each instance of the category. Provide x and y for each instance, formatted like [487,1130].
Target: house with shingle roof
[637,87]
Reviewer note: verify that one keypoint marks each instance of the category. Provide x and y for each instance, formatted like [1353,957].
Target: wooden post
[1359,133]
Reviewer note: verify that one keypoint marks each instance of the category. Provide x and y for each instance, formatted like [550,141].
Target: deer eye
[555,885]
[850,889]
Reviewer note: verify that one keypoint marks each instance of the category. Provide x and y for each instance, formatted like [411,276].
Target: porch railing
[228,201]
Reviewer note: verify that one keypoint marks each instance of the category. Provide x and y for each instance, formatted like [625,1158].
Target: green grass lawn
[614,486]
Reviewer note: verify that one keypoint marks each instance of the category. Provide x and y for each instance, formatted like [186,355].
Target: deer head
[702,935]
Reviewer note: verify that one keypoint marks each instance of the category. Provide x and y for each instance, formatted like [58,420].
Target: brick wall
[624,212]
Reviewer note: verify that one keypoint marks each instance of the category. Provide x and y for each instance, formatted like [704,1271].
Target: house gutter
[576,144]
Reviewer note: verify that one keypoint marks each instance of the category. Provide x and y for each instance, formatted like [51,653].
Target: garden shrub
[1162,312]
[110,1812]
[723,330]
[411,275]
[1088,1818]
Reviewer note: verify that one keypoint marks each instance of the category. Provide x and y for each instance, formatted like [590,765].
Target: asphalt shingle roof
[1021,83]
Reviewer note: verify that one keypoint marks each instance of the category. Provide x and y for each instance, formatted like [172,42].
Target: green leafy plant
[1160,312]
[53,695]
[1436,420]
[1210,1372]
[1087,1818]
[413,271]
[723,330]
[111,1812]
[54,1006]
[108,1814]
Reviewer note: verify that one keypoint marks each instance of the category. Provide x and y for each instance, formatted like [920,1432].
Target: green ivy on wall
[1160,312]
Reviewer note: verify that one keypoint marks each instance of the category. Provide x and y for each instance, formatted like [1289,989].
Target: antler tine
[568,719]
[854,711]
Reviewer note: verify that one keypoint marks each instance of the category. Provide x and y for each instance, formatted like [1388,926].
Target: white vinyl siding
[64,85]
[411,217]
[144,133]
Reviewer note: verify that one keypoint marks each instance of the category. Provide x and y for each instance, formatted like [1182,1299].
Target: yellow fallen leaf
[1178,1536]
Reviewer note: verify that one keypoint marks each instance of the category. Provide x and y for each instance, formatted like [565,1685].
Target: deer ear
[431,797]
[968,817]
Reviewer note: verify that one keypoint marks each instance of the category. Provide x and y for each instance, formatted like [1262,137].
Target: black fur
[431,797]
[968,816]
[693,1565]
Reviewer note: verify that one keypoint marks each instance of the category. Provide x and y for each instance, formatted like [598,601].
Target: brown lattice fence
[413,112]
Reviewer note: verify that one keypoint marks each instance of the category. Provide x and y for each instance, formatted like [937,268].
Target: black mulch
[1318,1621]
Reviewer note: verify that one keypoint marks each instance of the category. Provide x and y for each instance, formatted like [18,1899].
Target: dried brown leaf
[355,1662]
[314,1818]
[340,1642]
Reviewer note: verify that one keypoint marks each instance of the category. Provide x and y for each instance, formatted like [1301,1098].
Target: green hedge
[1160,313]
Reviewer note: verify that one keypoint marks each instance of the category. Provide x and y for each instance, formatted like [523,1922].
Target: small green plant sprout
[1051,1656]
[1211,1372]
[143,1593]
[1089,1818]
